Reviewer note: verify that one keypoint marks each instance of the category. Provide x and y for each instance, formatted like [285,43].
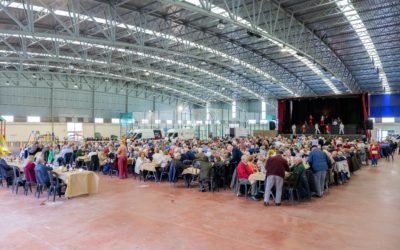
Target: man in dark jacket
[319,163]
[275,167]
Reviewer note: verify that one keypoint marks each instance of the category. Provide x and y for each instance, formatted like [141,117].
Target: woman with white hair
[41,170]
[296,169]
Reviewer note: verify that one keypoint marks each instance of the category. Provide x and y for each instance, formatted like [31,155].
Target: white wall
[20,131]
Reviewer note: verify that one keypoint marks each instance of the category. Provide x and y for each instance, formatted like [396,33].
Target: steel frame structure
[174,49]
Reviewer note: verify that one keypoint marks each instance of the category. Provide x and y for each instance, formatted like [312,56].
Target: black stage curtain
[348,108]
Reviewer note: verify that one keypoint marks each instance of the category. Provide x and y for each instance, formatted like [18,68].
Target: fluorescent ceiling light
[126,51]
[110,75]
[82,17]
[354,19]
[220,11]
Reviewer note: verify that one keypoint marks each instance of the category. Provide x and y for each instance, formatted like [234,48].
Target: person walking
[275,167]
[374,153]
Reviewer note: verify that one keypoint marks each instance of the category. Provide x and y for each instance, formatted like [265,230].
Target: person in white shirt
[139,161]
[294,129]
[317,131]
[157,157]
[341,128]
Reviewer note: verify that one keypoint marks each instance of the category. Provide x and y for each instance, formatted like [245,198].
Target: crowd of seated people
[312,163]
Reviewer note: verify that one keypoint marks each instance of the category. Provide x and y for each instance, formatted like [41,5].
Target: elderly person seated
[65,152]
[139,161]
[6,172]
[158,158]
[206,174]
[243,173]
[296,169]
[261,163]
[200,154]
[42,171]
[341,167]
[175,168]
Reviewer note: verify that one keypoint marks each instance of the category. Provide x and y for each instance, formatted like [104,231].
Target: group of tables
[78,181]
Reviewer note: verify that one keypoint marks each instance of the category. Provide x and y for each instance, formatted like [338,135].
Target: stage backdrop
[350,108]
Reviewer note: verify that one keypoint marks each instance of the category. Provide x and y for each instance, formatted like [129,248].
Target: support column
[52,108]
[93,112]
[126,101]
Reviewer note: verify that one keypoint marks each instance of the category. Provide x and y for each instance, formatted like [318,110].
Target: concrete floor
[129,214]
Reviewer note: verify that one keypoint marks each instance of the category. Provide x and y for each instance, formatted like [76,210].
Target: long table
[20,165]
[78,182]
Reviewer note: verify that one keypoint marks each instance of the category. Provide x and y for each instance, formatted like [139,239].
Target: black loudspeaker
[369,124]
[272,125]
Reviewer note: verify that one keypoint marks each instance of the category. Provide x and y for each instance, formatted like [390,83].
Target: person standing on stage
[322,122]
[304,128]
[294,129]
[341,128]
[328,129]
[310,120]
[317,129]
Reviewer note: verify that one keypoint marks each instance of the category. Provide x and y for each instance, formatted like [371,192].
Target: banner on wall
[126,118]
[387,105]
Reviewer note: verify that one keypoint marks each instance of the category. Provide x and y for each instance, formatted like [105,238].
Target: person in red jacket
[328,129]
[243,173]
[275,167]
[374,153]
[30,172]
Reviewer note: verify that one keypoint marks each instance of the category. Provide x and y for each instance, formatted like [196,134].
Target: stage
[351,137]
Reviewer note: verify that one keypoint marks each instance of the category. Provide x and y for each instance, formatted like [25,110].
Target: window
[157,121]
[234,110]
[74,131]
[8,118]
[98,120]
[252,121]
[33,118]
[233,125]
[188,122]
[387,119]
[115,120]
[263,110]
[199,122]
[179,122]
[217,122]
[263,121]
[169,121]
[145,121]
